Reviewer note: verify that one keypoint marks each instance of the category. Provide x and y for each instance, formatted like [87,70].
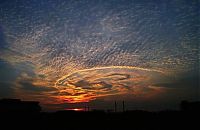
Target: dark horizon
[9,105]
[28,114]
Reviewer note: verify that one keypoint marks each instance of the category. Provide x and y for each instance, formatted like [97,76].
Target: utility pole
[87,108]
[115,106]
[123,106]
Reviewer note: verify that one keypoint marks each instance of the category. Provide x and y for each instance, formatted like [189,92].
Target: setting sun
[75,109]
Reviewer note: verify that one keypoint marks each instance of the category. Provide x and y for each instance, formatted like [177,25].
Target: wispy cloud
[89,84]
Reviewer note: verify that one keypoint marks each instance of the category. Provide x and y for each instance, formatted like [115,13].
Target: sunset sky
[67,53]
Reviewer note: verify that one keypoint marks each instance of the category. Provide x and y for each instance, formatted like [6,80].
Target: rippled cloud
[89,84]
[84,50]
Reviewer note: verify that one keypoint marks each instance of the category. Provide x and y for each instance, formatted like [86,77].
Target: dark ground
[187,118]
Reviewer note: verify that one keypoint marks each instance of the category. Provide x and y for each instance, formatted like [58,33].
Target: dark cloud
[120,76]
[189,79]
[6,89]
[3,42]
[56,93]
[29,86]
[82,83]
[8,75]
[8,72]
[104,85]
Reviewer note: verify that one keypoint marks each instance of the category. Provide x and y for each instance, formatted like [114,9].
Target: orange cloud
[89,84]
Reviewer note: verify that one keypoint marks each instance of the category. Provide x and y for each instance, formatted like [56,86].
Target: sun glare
[75,109]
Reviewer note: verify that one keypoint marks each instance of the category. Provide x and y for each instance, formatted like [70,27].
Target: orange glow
[88,84]
[102,82]
[75,109]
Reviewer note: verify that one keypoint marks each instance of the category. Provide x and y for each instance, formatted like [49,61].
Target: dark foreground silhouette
[16,114]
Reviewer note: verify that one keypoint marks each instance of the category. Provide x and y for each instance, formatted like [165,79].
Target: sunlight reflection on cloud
[88,84]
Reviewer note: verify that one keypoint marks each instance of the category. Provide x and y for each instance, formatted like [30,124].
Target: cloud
[3,42]
[28,85]
[6,89]
[19,80]
[89,84]
[103,37]
[73,47]
[8,75]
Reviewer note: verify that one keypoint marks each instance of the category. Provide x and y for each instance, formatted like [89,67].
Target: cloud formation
[89,84]
[82,50]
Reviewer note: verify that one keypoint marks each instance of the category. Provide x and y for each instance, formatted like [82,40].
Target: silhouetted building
[190,106]
[16,105]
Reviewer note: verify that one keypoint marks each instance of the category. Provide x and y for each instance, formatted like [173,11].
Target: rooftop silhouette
[16,105]
[190,106]
[27,113]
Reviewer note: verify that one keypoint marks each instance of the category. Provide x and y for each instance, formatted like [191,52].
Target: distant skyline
[66,54]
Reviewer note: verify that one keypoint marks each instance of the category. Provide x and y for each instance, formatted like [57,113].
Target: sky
[66,53]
